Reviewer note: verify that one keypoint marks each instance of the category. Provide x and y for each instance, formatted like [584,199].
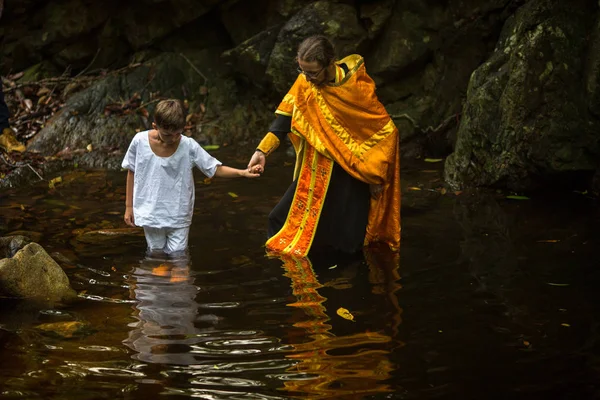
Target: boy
[160,184]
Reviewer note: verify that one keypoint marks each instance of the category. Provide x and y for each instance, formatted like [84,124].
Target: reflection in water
[350,365]
[165,312]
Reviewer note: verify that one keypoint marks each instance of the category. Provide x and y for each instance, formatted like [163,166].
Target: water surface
[491,298]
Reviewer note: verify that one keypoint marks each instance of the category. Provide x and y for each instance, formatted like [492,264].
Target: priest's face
[314,72]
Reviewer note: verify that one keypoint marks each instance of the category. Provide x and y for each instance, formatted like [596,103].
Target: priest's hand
[257,162]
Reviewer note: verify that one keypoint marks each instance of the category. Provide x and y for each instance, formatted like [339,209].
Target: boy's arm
[129,220]
[224,171]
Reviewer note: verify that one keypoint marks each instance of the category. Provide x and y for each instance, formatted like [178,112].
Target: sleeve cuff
[268,144]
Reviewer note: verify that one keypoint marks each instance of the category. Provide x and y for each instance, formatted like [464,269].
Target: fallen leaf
[565,325]
[210,147]
[414,188]
[526,343]
[54,181]
[28,104]
[433,160]
[332,267]
[9,142]
[443,191]
[89,147]
[342,312]
[43,90]
[458,192]
[517,197]
[232,194]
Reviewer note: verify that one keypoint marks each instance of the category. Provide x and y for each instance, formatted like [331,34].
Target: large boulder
[109,113]
[251,57]
[32,274]
[421,58]
[338,21]
[73,33]
[527,115]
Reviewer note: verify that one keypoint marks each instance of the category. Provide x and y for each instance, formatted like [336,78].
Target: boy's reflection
[165,312]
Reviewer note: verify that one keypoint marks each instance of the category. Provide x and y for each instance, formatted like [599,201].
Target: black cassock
[344,216]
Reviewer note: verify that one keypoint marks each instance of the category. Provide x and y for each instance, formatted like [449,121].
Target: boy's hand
[257,169]
[129,216]
[250,173]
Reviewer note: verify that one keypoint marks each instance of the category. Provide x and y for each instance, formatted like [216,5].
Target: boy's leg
[156,239]
[177,240]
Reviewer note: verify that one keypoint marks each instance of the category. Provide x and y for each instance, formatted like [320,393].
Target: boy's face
[167,137]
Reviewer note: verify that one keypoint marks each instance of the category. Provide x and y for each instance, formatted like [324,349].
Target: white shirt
[163,188]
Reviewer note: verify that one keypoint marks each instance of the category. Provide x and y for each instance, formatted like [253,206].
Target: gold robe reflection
[361,366]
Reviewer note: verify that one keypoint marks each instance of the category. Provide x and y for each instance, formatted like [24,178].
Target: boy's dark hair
[169,115]
[317,48]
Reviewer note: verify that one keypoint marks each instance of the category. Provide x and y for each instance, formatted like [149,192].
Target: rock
[111,237]
[32,274]
[255,19]
[83,121]
[144,25]
[404,41]
[522,121]
[66,330]
[336,20]
[376,14]
[251,57]
[30,235]
[108,241]
[9,245]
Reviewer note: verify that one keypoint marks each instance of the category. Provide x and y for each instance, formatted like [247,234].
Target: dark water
[493,299]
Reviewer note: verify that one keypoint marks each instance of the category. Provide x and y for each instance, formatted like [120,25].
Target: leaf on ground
[54,181]
[342,312]
[557,284]
[333,266]
[517,197]
[209,147]
[565,325]
[233,195]
[414,188]
[434,160]
[9,142]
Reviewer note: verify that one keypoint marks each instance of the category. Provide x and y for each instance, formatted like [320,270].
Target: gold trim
[384,132]
[308,133]
[354,62]
[283,113]
[288,98]
[314,164]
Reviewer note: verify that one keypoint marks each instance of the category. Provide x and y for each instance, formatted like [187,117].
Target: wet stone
[66,330]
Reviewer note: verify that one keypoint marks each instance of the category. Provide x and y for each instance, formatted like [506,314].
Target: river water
[491,298]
